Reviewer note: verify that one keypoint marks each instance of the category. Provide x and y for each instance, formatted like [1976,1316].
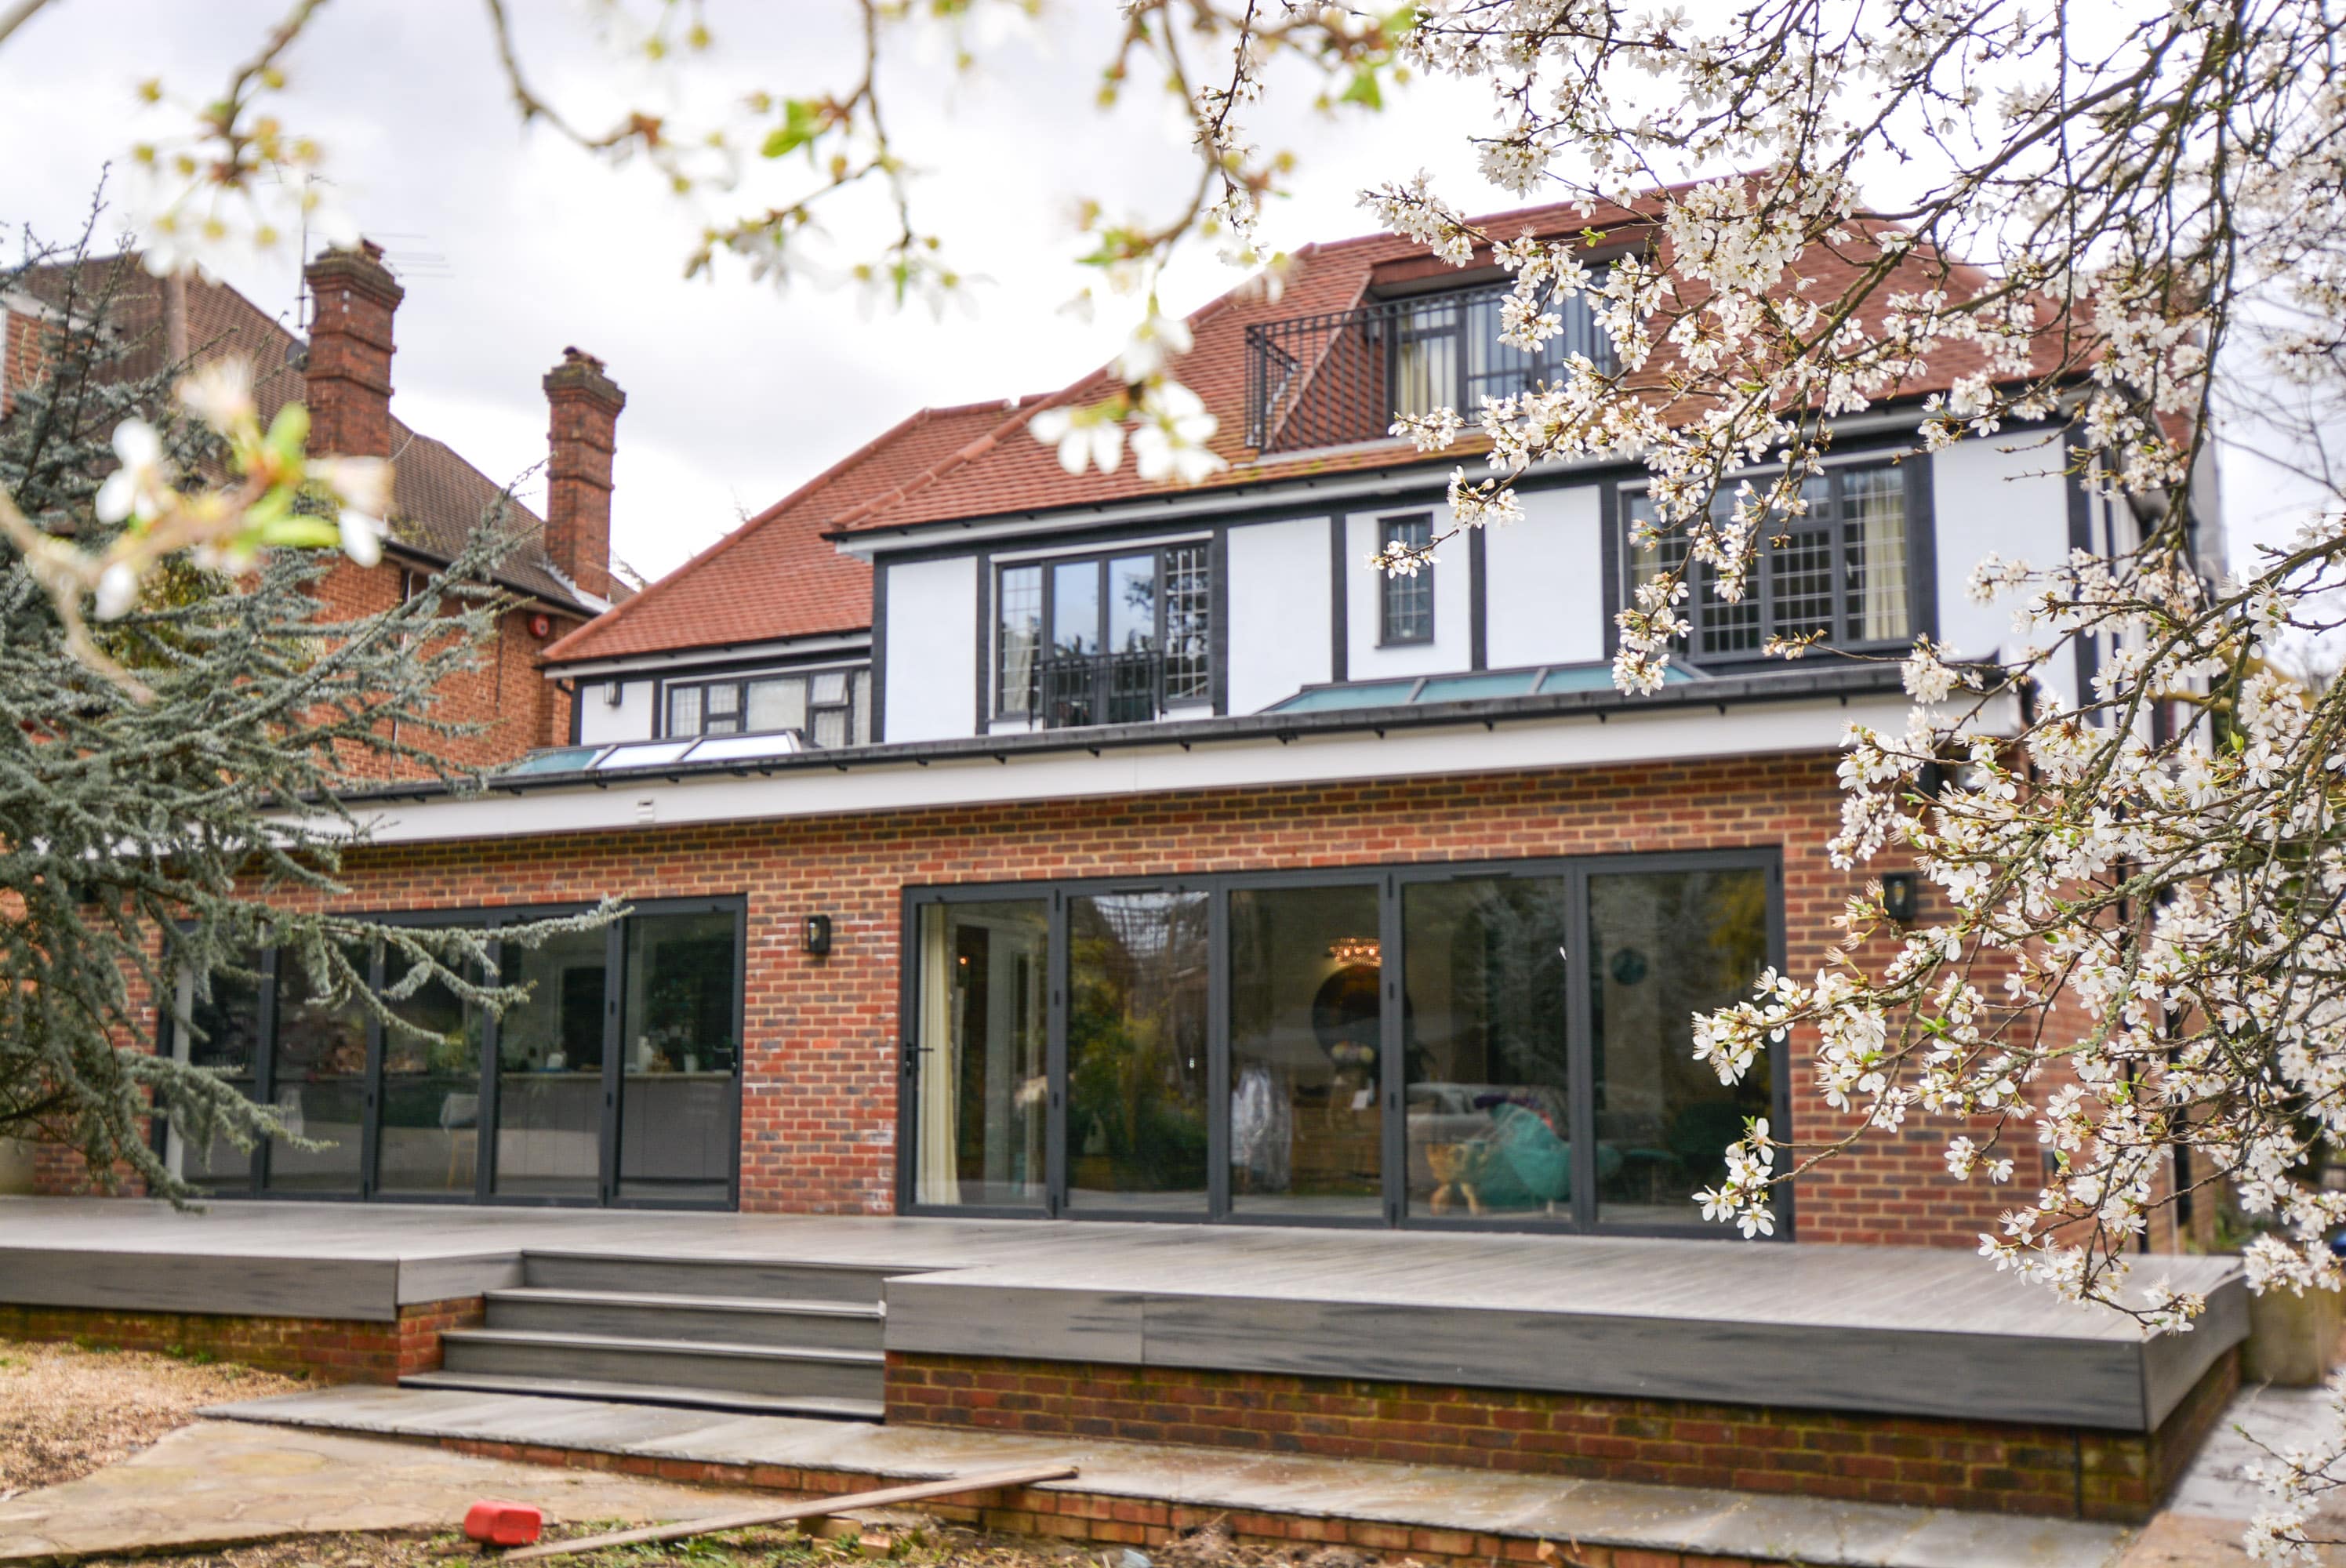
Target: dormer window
[1340,377]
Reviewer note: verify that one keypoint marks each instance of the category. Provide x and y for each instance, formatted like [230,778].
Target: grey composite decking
[1893,1331]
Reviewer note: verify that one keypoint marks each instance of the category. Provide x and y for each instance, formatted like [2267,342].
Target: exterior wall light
[1898,896]
[815,937]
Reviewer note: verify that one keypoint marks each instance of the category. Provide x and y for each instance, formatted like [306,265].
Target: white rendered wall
[1544,582]
[600,722]
[1279,636]
[2003,494]
[932,634]
[1452,649]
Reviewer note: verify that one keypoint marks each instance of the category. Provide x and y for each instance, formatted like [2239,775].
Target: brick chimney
[583,406]
[353,296]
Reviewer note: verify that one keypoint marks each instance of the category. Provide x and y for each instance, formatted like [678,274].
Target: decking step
[661,1314]
[751,1277]
[827,1409]
[792,1371]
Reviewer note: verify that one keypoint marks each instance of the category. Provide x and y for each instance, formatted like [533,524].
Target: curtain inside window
[936,1146]
[1876,505]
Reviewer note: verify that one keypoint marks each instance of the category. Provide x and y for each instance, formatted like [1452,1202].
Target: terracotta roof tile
[779,574]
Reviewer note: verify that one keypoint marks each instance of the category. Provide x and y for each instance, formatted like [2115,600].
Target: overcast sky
[513,244]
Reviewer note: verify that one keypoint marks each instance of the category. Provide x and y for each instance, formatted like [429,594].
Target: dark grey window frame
[991,629]
[1390,880]
[740,681]
[1914,472]
[1389,588]
[484,1193]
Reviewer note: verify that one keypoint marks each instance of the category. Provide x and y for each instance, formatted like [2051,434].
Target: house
[555,575]
[1003,847]
[1002,842]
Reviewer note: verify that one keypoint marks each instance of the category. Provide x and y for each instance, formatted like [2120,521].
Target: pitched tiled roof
[437,497]
[776,576]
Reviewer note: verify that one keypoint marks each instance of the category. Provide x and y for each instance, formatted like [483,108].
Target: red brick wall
[338,1350]
[2003,1467]
[820,1102]
[507,693]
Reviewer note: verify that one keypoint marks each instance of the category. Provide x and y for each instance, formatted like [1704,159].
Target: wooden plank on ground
[813,1508]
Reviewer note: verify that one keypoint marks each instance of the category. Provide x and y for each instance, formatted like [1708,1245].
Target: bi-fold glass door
[1501,1045]
[618,1080]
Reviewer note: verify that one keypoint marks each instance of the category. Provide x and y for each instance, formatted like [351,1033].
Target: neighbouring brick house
[556,573]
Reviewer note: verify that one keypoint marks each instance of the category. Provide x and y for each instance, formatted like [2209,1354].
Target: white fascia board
[668,663]
[1359,484]
[623,802]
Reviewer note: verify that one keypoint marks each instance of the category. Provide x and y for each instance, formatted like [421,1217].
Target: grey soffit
[571,767]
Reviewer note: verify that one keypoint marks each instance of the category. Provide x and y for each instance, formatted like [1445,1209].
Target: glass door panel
[1132,604]
[1488,1101]
[225,1037]
[1666,945]
[1137,1041]
[680,1054]
[550,1070]
[1305,1122]
[980,1075]
[429,1141]
[318,1076]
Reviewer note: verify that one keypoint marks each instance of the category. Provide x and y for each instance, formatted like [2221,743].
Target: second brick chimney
[353,296]
[583,406]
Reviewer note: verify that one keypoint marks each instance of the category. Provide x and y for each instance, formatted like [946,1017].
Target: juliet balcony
[1343,376]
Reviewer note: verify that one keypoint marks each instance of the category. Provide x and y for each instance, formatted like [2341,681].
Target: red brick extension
[338,1350]
[819,1112]
[1998,1467]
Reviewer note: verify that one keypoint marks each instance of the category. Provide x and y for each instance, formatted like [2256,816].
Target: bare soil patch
[68,1409]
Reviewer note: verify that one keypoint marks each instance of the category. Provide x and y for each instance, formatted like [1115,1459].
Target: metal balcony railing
[1073,690]
[1343,376]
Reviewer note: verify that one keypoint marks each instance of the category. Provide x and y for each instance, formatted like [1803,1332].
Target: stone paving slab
[221,1484]
[1811,1530]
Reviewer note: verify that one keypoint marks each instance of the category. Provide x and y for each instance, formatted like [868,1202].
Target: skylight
[1481,686]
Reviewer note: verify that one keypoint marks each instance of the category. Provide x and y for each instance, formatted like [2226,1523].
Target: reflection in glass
[429,1141]
[678,1055]
[1664,946]
[981,1085]
[1488,1102]
[319,1073]
[224,1038]
[550,1070]
[1136,1027]
[1304,1019]
[1076,608]
[1132,604]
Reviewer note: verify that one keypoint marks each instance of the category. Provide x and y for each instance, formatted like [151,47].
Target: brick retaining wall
[2003,1467]
[334,1350]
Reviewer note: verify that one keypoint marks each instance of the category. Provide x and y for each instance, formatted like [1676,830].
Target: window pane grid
[1839,573]
[1189,624]
[1408,600]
